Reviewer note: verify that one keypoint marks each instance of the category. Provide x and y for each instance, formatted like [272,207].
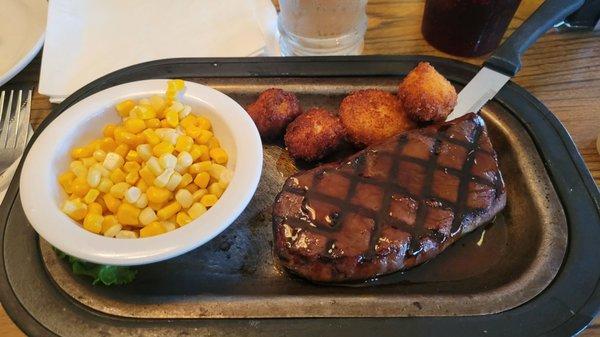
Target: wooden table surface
[561,69]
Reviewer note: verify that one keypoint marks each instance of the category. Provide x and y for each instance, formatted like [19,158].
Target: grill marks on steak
[391,206]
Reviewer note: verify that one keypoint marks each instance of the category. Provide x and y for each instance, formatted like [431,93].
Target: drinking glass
[322,27]
[467,27]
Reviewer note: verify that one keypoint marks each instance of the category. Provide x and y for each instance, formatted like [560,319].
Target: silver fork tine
[23,131]
[12,140]
[5,124]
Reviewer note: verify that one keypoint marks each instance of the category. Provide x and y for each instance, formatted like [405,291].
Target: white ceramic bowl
[42,197]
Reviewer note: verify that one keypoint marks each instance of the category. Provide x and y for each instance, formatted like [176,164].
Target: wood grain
[561,69]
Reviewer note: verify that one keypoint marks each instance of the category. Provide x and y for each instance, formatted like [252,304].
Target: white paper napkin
[87,39]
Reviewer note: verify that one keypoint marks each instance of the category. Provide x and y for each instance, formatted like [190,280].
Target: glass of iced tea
[322,27]
[467,27]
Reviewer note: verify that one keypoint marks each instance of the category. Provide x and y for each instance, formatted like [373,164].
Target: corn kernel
[128,214]
[184,198]
[65,179]
[186,179]
[184,143]
[122,150]
[143,112]
[167,160]
[105,185]
[182,218]
[163,179]
[131,166]
[152,229]
[185,111]
[99,155]
[141,184]
[124,136]
[95,207]
[80,187]
[126,234]
[142,202]
[117,176]
[89,161]
[196,210]
[213,143]
[78,168]
[124,107]
[109,130]
[157,103]
[157,194]
[218,155]
[162,148]
[192,188]
[152,123]
[91,196]
[132,194]
[175,85]
[202,166]
[147,216]
[75,209]
[133,156]
[169,210]
[169,135]
[113,161]
[81,152]
[189,120]
[172,117]
[184,159]
[215,189]
[118,190]
[144,151]
[216,171]
[151,137]
[168,225]
[147,175]
[108,144]
[112,203]
[204,137]
[197,195]
[193,131]
[203,123]
[202,179]
[103,171]
[93,177]
[109,222]
[204,156]
[93,222]
[209,200]
[174,181]
[154,166]
[163,123]
[132,177]
[156,206]
[225,178]
[94,145]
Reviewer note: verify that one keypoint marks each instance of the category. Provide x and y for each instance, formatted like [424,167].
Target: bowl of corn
[141,172]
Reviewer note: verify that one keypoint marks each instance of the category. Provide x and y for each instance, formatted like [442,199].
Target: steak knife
[505,62]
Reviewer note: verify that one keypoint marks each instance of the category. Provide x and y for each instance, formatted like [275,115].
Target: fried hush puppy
[370,116]
[314,134]
[273,111]
[426,95]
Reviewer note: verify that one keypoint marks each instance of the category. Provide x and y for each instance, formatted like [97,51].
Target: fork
[14,121]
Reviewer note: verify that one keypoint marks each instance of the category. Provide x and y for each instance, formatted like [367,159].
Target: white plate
[41,196]
[22,27]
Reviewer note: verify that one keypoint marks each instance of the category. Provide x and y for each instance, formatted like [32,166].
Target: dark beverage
[467,27]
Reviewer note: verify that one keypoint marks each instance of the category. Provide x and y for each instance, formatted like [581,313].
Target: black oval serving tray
[565,307]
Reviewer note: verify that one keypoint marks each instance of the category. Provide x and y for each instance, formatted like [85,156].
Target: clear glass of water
[322,27]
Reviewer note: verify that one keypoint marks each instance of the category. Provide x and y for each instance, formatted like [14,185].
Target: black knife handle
[507,58]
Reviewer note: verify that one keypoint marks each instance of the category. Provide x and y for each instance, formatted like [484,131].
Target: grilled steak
[391,206]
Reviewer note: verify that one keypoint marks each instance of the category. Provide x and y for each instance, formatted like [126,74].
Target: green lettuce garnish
[107,275]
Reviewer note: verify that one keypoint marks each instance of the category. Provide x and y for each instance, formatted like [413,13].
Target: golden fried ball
[371,116]
[273,111]
[314,134]
[426,95]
